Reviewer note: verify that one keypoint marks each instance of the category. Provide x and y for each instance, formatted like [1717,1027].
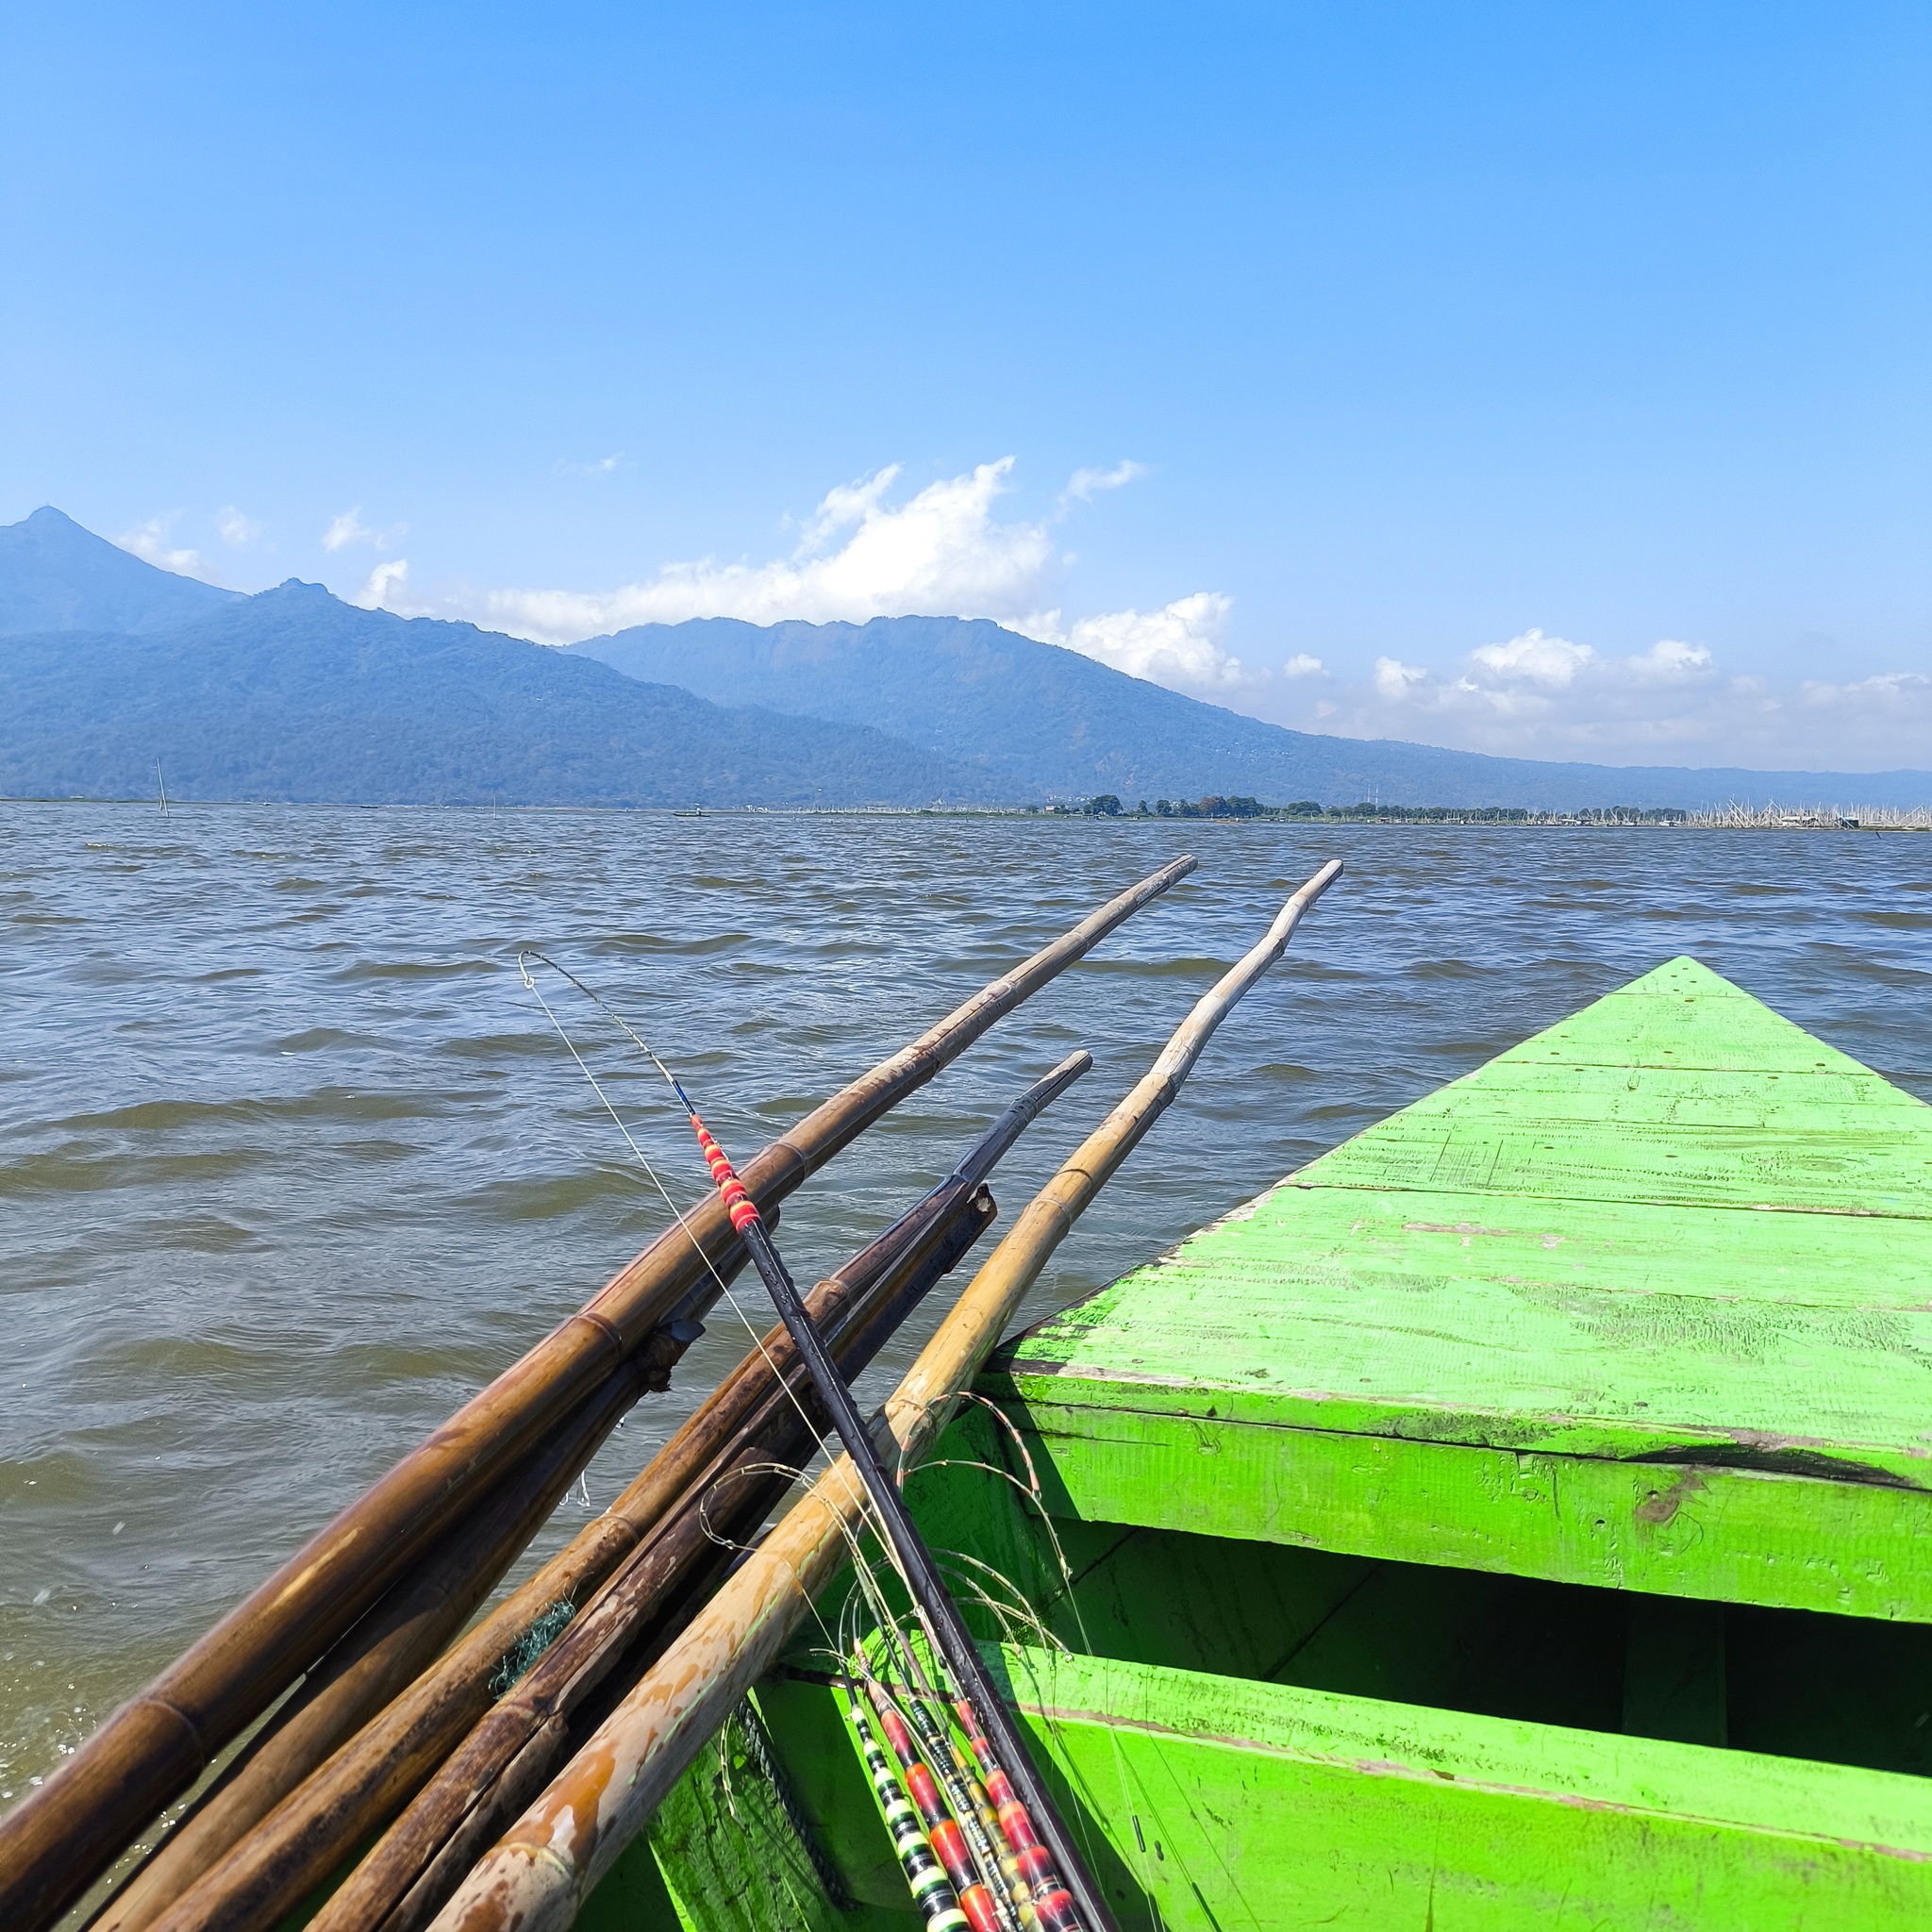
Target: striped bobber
[1051,1898]
[948,1839]
[1005,1858]
[977,1819]
[932,1891]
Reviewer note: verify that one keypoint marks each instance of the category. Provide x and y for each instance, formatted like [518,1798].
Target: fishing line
[643,1161]
[862,1500]
[616,1019]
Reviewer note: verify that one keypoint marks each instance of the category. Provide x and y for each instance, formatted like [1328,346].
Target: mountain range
[1039,722]
[111,663]
[293,694]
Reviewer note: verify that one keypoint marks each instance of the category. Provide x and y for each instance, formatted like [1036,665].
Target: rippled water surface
[291,1163]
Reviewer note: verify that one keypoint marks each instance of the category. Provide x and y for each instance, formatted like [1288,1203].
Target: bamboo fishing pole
[54,1844]
[306,1838]
[1085,1909]
[932,1601]
[547,1864]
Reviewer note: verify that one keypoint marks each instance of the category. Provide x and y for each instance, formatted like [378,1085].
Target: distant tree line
[1108,805]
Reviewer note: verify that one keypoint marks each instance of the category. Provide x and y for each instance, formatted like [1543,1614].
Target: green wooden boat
[1518,1517]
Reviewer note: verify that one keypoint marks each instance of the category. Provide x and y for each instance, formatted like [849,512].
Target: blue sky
[1542,378]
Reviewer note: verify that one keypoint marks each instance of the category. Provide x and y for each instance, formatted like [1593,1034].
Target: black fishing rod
[936,1611]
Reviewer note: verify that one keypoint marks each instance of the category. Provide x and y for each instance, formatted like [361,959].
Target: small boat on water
[1518,1516]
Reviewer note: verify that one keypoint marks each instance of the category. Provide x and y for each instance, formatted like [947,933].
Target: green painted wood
[1228,1804]
[1426,1704]
[719,1856]
[1736,1536]
[1795,1683]
[1722,1103]
[1669,1096]
[1366,1313]
[1675,1228]
[1429,1524]
[1853,1168]
[1265,1805]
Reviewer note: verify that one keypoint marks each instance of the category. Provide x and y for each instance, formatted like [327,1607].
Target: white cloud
[1541,695]
[234,528]
[941,552]
[1544,695]
[1085,484]
[1886,691]
[148,540]
[846,504]
[1886,719]
[385,581]
[349,528]
[1395,680]
[1178,644]
[1669,658]
[1302,665]
[604,466]
[1556,664]
[346,529]
[1533,659]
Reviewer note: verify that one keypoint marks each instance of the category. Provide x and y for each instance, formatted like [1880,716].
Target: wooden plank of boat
[1273,1806]
[1693,1358]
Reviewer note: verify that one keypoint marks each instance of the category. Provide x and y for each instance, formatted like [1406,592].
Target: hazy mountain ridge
[1039,721]
[54,575]
[293,695]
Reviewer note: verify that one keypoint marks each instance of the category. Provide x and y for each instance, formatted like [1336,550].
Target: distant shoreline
[1416,818]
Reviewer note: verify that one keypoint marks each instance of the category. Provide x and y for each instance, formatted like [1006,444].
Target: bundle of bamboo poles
[547,1863]
[363,1614]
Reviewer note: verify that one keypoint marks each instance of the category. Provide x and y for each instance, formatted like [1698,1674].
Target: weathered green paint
[1674,1228]
[1739,1536]
[721,1855]
[1794,1683]
[1270,1805]
[1276,1806]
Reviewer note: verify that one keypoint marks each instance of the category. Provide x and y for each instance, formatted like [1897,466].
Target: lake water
[290,1162]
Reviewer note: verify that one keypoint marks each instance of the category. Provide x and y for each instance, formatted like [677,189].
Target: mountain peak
[56,575]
